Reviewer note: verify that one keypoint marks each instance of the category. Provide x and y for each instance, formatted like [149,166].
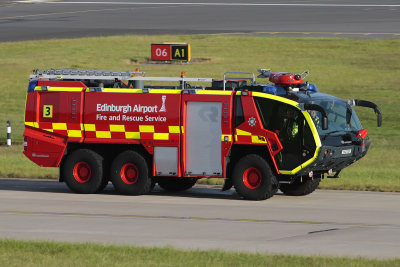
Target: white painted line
[219,4]
[33,1]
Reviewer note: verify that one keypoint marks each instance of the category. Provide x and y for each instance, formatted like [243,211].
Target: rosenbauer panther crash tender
[109,125]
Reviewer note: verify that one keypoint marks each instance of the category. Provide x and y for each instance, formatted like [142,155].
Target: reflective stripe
[103,134]
[31,124]
[161,136]
[165,91]
[59,126]
[114,128]
[213,92]
[65,89]
[226,136]
[117,128]
[277,98]
[257,140]
[146,128]
[90,127]
[74,133]
[121,90]
[132,135]
[173,129]
[59,89]
[241,132]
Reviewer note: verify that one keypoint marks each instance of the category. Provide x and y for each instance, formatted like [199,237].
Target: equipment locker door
[205,120]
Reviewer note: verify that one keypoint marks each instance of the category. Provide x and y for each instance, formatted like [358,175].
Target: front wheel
[83,171]
[253,178]
[130,174]
[300,188]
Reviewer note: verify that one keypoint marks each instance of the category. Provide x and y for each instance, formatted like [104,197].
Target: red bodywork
[146,119]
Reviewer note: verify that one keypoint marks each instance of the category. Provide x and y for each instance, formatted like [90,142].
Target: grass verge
[348,68]
[35,253]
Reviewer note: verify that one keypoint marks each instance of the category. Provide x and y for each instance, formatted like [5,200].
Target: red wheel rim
[129,173]
[252,178]
[82,172]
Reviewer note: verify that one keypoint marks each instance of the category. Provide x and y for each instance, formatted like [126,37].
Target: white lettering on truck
[137,108]
[113,108]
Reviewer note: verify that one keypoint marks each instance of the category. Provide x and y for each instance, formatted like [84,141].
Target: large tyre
[298,188]
[253,178]
[83,171]
[174,184]
[130,174]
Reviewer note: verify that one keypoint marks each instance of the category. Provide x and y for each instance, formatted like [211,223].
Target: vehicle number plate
[346,151]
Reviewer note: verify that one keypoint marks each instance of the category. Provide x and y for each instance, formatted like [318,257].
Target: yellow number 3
[47,111]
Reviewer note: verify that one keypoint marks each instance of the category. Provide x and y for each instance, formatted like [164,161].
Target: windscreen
[341,116]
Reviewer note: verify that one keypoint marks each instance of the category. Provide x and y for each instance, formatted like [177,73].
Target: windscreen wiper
[367,104]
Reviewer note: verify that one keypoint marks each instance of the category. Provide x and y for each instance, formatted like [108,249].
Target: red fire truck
[101,126]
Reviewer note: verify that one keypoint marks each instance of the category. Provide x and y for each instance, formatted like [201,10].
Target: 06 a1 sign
[169,52]
[160,52]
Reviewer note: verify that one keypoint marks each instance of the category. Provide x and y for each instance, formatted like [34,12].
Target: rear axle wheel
[83,171]
[130,174]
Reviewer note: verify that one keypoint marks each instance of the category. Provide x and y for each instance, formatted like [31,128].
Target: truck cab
[319,133]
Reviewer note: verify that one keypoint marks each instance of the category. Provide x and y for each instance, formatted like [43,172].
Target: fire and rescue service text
[125,109]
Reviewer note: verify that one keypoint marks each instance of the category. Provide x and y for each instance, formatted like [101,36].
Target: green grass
[34,253]
[349,68]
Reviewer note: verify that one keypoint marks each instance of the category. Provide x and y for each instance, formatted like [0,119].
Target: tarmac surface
[46,19]
[335,223]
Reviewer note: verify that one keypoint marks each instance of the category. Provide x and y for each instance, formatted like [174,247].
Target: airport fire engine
[101,126]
